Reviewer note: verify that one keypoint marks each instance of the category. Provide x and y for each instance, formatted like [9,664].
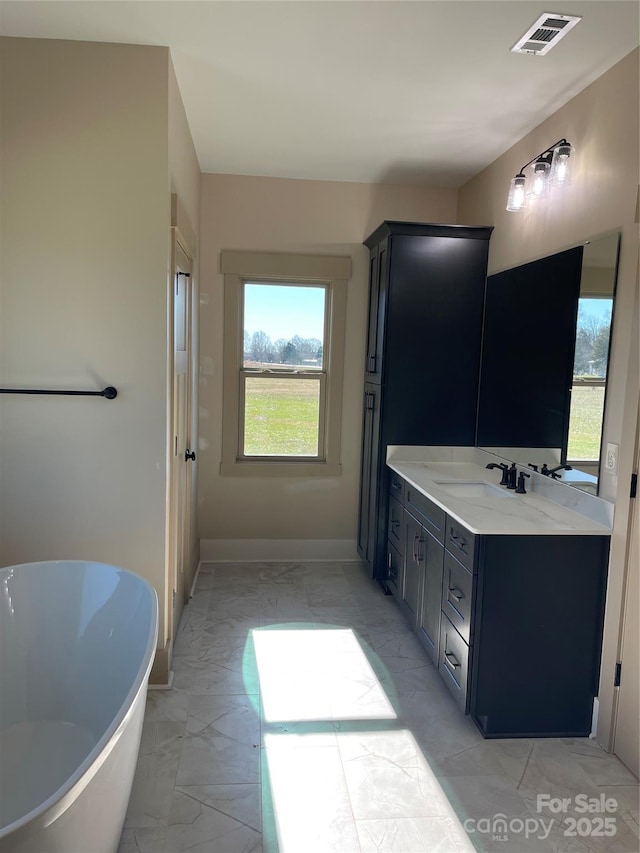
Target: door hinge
[634,485]
[173,599]
[616,677]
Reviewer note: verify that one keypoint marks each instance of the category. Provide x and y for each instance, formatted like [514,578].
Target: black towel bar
[109,392]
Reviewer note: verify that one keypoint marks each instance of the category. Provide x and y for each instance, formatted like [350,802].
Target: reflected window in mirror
[589,380]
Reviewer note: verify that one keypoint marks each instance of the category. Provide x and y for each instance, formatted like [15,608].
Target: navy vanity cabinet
[521,630]
[512,622]
[422,362]
[537,634]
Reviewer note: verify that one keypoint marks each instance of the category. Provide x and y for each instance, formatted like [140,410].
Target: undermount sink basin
[478,489]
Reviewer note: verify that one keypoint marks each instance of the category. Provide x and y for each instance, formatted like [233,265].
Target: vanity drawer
[396,487]
[395,529]
[453,662]
[428,514]
[457,594]
[461,543]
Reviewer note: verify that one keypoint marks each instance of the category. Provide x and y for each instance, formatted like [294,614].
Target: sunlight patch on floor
[317,675]
[344,777]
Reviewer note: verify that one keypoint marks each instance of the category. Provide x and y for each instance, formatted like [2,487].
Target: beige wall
[602,123]
[270,214]
[85,211]
[183,165]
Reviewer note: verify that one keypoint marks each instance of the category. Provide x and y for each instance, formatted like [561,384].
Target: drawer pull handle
[456,593]
[451,660]
[458,541]
[395,522]
[396,486]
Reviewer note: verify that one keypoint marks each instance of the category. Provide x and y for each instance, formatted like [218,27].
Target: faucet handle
[521,489]
[531,465]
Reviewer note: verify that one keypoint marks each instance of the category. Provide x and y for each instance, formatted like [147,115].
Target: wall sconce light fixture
[550,167]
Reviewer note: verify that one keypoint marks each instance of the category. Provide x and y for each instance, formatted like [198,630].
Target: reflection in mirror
[546,344]
[595,312]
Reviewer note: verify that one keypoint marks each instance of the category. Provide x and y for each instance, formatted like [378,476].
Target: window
[283,363]
[589,378]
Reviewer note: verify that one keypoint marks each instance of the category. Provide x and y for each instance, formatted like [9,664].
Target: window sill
[280,469]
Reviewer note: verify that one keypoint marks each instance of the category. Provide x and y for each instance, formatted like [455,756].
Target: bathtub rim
[55,805]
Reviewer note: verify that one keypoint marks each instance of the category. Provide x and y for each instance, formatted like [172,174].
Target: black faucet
[511,476]
[504,468]
[551,472]
[520,490]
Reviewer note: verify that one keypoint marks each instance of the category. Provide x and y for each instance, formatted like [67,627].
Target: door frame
[179,246]
[628,632]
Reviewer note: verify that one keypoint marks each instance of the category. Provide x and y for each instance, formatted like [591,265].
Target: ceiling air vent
[545,33]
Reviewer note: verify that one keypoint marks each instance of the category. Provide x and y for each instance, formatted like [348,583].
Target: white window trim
[330,270]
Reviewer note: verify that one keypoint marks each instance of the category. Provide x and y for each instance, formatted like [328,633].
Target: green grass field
[585,422]
[281,417]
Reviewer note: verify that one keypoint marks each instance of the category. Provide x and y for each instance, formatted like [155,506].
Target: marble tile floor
[305,717]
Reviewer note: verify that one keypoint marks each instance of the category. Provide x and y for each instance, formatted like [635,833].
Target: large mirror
[545,355]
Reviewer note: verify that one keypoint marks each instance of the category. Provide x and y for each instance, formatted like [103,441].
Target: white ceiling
[387,91]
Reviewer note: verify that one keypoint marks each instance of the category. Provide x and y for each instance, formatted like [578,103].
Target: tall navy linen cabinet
[426,297]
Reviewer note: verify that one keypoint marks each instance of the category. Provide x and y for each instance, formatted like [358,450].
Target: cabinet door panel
[413,566]
[377,311]
[395,572]
[396,525]
[372,331]
[429,623]
[368,519]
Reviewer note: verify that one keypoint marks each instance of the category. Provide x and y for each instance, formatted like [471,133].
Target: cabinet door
[395,572]
[395,532]
[377,308]
[429,618]
[367,519]
[413,567]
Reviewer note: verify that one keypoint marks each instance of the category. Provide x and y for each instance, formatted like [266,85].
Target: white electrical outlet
[611,459]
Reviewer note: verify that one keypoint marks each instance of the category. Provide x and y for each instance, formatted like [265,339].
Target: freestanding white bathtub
[77,641]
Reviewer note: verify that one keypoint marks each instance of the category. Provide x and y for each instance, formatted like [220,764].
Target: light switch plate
[611,458]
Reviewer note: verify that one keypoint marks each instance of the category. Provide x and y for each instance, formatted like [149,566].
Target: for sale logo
[593,813]
[591,816]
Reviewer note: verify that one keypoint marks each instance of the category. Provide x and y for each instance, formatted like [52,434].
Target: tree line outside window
[259,349]
[592,343]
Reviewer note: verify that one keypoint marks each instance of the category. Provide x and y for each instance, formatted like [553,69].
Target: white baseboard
[276,550]
[195,579]
[594,717]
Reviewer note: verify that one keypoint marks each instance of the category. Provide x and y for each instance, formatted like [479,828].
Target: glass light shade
[517,195]
[560,165]
[539,183]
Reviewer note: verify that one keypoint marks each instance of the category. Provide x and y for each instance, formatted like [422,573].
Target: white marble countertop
[548,507]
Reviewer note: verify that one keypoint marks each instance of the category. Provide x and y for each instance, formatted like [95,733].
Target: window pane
[585,420]
[281,416]
[283,326]
[589,378]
